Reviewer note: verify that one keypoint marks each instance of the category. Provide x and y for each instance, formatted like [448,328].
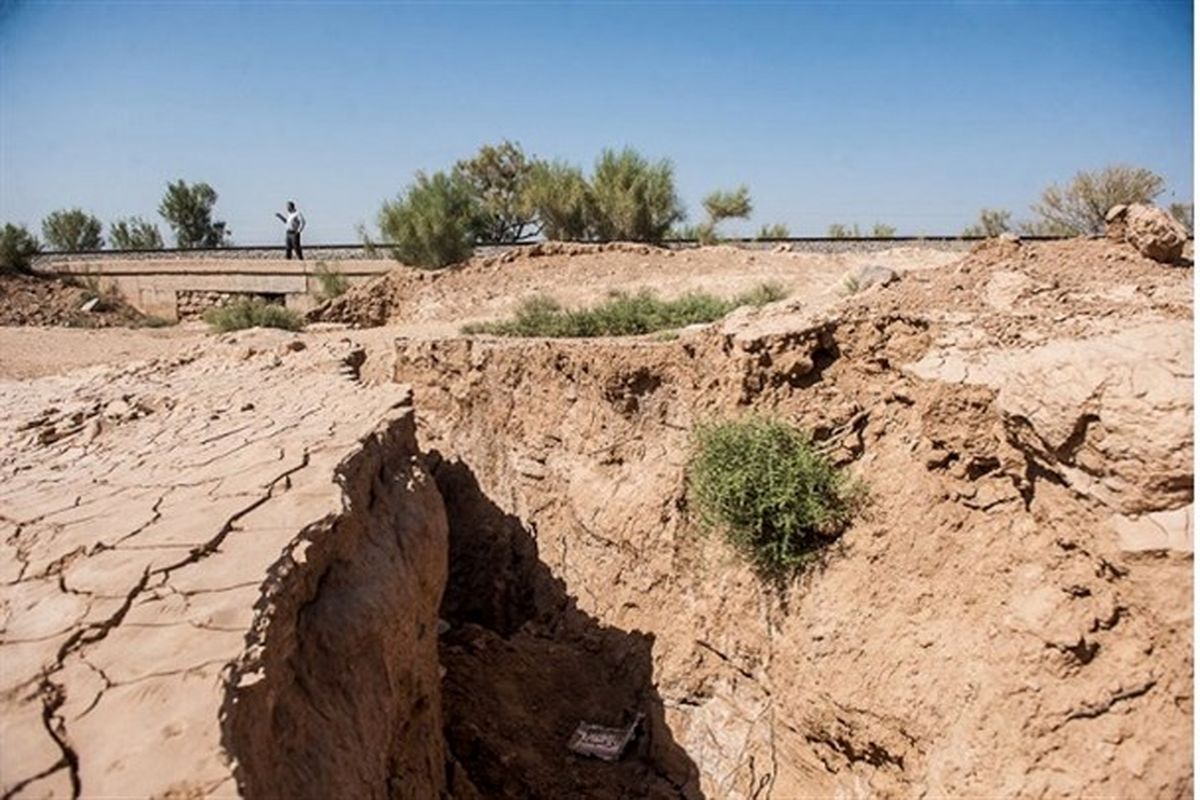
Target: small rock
[1154,233]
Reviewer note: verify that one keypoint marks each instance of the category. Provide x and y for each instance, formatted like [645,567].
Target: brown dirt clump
[31,300]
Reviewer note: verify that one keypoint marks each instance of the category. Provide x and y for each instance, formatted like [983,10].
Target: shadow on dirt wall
[524,666]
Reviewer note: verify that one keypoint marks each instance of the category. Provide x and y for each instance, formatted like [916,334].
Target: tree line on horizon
[502,195]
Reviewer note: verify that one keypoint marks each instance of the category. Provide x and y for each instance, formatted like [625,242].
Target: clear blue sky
[912,113]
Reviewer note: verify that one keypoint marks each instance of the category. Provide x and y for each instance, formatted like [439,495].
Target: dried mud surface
[223,567]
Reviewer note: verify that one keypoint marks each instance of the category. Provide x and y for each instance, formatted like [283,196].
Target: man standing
[294,221]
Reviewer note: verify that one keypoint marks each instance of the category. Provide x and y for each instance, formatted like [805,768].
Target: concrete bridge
[181,288]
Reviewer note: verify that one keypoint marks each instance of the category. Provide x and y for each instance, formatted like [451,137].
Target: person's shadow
[524,666]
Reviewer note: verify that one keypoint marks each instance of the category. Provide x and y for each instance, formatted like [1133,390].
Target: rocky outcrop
[1149,229]
[214,585]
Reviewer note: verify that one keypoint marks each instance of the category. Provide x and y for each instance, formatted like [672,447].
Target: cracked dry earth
[224,569]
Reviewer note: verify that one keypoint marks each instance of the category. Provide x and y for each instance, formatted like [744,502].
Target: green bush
[557,194]
[839,231]
[498,176]
[134,233]
[776,231]
[17,248]
[242,314]
[433,223]
[882,230]
[333,283]
[1184,214]
[72,230]
[632,198]
[1081,206]
[761,482]
[622,314]
[189,212]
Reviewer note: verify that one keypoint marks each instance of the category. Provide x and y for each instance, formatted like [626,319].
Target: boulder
[1150,230]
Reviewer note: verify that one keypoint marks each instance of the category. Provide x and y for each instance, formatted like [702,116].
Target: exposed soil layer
[1011,615]
[222,570]
[26,300]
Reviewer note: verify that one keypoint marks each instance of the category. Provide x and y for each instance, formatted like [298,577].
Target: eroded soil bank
[1011,615]
[223,570]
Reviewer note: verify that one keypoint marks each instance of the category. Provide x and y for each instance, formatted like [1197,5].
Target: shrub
[17,248]
[242,314]
[840,231]
[134,233]
[1184,214]
[633,199]
[333,283]
[432,224]
[728,205]
[623,314]
[559,196]
[72,229]
[777,500]
[188,210]
[107,299]
[776,231]
[1080,206]
[498,175]
[883,231]
[992,222]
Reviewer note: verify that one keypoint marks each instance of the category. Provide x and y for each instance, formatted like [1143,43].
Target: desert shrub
[432,223]
[499,175]
[189,212]
[72,229]
[557,194]
[721,205]
[622,314]
[255,313]
[107,299]
[134,233]
[17,248]
[1184,214]
[883,231]
[840,231]
[333,283]
[633,199]
[992,222]
[762,483]
[776,231]
[1081,205]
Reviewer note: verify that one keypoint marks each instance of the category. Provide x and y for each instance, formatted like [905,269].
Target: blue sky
[912,113]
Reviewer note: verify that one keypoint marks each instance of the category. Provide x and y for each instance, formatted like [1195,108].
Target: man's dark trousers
[293,243]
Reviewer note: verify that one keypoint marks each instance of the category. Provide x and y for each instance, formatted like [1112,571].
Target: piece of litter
[600,741]
[90,304]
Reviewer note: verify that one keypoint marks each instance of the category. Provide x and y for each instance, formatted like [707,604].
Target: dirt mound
[439,303]
[28,300]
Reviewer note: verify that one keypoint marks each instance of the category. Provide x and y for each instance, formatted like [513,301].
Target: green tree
[432,223]
[134,233]
[992,222]
[189,212]
[499,175]
[720,206]
[558,196]
[633,199]
[1081,206]
[1184,214]
[17,248]
[776,231]
[883,231]
[72,229]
